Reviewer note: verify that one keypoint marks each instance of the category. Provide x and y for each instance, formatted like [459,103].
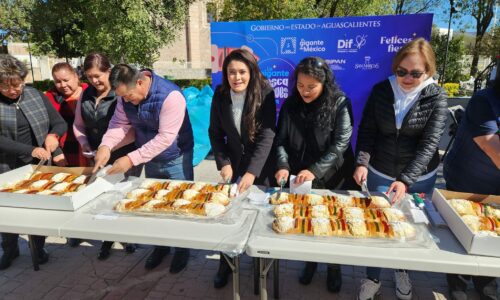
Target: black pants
[9,242]
[455,283]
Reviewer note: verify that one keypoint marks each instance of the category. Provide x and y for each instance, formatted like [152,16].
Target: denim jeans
[380,184]
[180,168]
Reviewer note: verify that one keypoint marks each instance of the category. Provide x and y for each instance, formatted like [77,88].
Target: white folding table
[446,256]
[230,239]
[33,222]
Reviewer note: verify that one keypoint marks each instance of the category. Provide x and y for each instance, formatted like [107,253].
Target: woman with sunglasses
[30,128]
[313,141]
[397,147]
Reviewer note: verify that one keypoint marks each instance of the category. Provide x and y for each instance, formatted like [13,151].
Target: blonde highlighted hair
[417,46]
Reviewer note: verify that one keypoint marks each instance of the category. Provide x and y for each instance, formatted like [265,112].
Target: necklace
[17,103]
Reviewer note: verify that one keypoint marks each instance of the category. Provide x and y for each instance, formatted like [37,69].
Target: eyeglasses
[414,74]
[17,87]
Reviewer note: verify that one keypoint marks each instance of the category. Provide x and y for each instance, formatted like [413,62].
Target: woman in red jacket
[64,96]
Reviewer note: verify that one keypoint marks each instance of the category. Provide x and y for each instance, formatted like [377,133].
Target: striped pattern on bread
[336,200]
[342,228]
[48,184]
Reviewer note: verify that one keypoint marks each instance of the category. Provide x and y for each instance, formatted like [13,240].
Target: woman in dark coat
[398,138]
[313,140]
[93,113]
[242,129]
[30,128]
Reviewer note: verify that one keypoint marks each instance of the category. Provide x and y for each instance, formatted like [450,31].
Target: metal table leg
[256,272]
[234,263]
[34,253]
[264,268]
[276,279]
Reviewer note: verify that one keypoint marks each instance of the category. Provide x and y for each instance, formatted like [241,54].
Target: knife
[94,176]
[282,184]
[364,188]
[38,166]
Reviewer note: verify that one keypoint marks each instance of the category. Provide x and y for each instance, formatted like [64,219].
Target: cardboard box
[73,202]
[473,244]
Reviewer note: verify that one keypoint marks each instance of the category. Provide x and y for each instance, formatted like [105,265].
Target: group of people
[79,124]
[132,118]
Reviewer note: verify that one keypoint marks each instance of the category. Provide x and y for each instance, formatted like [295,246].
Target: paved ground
[75,273]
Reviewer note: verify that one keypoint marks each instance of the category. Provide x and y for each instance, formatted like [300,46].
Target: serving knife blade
[282,184]
[100,173]
[364,188]
[38,166]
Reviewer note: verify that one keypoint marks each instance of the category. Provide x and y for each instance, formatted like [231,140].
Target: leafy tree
[482,11]
[130,31]
[60,28]
[14,20]
[456,50]
[337,8]
[491,43]
[143,27]
[413,6]
[241,10]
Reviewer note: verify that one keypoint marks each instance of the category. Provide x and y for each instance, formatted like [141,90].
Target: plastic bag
[104,205]
[198,106]
[423,238]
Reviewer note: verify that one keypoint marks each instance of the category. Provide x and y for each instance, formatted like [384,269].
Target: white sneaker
[368,289]
[403,285]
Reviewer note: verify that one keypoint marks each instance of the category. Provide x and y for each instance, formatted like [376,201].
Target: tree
[129,31]
[338,8]
[456,51]
[60,30]
[14,20]
[413,6]
[491,43]
[241,10]
[482,11]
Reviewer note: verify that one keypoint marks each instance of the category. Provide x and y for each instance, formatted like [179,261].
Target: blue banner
[359,50]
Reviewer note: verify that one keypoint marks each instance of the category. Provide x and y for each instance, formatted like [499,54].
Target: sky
[442,14]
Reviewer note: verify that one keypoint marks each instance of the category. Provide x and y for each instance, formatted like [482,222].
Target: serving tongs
[364,188]
[38,166]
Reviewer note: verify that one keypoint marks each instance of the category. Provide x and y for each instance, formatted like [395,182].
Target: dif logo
[351,45]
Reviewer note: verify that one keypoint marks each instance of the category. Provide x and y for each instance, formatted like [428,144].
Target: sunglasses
[414,74]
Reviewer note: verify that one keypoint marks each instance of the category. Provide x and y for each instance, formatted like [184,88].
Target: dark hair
[11,68]
[96,60]
[63,66]
[255,86]
[317,68]
[124,74]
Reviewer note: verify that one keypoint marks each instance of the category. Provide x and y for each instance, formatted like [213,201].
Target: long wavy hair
[317,68]
[256,84]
